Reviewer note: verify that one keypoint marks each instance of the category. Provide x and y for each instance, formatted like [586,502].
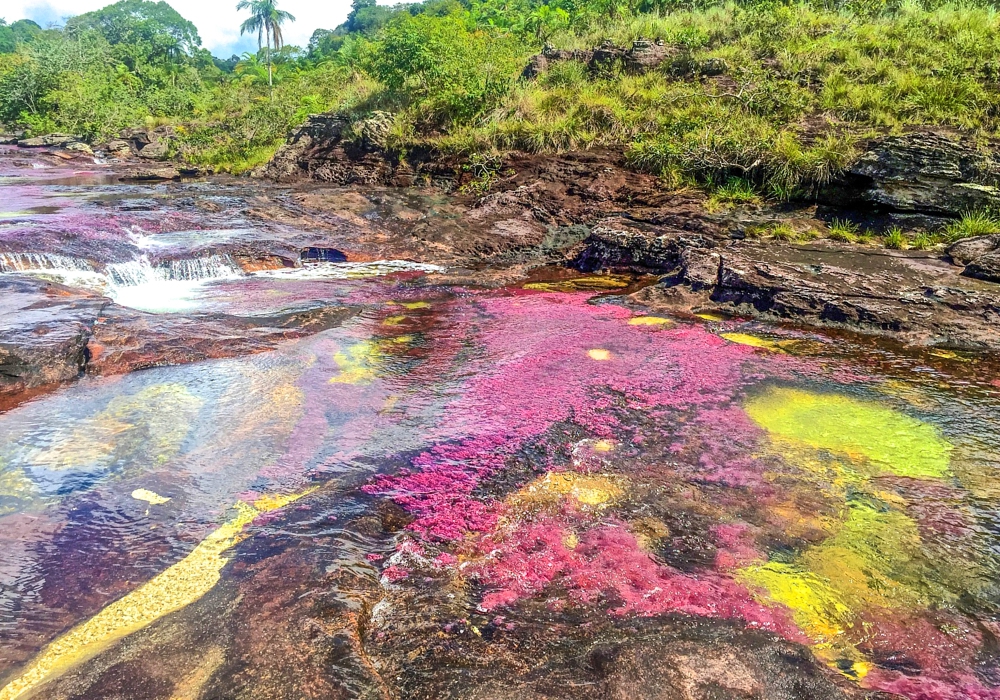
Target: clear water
[523,492]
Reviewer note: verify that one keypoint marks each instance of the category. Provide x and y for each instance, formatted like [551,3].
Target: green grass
[843,230]
[978,223]
[895,239]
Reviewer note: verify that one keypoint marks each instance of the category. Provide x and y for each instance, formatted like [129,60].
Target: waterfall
[139,272]
[37,262]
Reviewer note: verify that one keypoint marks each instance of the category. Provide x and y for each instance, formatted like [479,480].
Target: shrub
[977,223]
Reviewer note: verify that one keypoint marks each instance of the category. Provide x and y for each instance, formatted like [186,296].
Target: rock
[305,147]
[919,172]
[537,65]
[712,67]
[606,58]
[157,150]
[985,267]
[152,174]
[8,139]
[969,249]
[48,140]
[44,330]
[374,130]
[79,147]
[914,296]
[645,56]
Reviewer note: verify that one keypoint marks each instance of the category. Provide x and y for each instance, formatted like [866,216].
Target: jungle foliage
[802,83]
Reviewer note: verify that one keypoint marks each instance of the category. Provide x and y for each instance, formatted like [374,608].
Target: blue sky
[217,20]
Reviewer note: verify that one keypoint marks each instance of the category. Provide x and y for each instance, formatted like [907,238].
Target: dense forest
[782,91]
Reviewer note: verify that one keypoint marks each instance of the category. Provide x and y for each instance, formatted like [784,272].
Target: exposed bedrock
[923,171]
[916,296]
[52,334]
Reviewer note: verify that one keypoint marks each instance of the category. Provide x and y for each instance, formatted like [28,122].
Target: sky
[217,20]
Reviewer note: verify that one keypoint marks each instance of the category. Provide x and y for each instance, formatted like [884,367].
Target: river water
[468,491]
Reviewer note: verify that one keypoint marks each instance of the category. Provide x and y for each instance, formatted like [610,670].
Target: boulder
[985,267]
[8,139]
[967,250]
[79,147]
[606,58]
[645,56]
[156,150]
[152,174]
[48,141]
[374,130]
[924,172]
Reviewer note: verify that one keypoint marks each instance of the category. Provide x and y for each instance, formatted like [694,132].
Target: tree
[141,31]
[265,19]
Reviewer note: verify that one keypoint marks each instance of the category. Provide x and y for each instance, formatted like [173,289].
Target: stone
[712,67]
[79,147]
[985,267]
[606,58]
[49,140]
[152,174]
[374,130]
[919,172]
[967,250]
[645,56]
[8,139]
[157,150]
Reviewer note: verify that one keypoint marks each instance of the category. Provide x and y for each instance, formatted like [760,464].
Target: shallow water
[532,491]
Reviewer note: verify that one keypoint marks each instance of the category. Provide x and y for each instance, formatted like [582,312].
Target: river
[453,487]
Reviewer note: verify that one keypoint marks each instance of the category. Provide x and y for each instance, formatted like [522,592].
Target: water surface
[539,490]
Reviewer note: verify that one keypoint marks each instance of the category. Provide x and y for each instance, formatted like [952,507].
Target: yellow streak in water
[176,588]
[150,497]
[649,321]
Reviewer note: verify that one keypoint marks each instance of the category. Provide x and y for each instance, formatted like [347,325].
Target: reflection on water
[523,492]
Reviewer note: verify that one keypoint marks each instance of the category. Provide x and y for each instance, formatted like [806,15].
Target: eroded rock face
[922,172]
[914,296]
[44,331]
[49,141]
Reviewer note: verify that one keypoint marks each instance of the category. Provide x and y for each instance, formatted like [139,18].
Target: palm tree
[265,19]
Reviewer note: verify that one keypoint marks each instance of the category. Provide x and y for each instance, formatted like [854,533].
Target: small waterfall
[38,262]
[139,272]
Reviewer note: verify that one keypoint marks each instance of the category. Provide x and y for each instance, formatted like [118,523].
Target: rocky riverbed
[356,433]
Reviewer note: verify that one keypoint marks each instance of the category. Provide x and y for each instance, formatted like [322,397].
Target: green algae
[888,441]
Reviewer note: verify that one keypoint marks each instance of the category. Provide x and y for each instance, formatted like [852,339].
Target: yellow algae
[150,497]
[358,363]
[582,284]
[190,686]
[604,446]
[949,355]
[649,532]
[649,321]
[175,588]
[393,320]
[571,541]
[157,419]
[816,607]
[709,316]
[599,354]
[751,340]
[886,440]
[593,490]
[414,305]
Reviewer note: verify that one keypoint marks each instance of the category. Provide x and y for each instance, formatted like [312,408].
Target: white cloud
[218,21]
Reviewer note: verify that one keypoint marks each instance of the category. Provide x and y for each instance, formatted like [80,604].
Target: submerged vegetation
[766,98]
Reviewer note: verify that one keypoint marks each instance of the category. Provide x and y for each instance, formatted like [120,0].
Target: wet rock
[8,139]
[914,296]
[48,141]
[44,330]
[124,340]
[152,174]
[920,172]
[307,148]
